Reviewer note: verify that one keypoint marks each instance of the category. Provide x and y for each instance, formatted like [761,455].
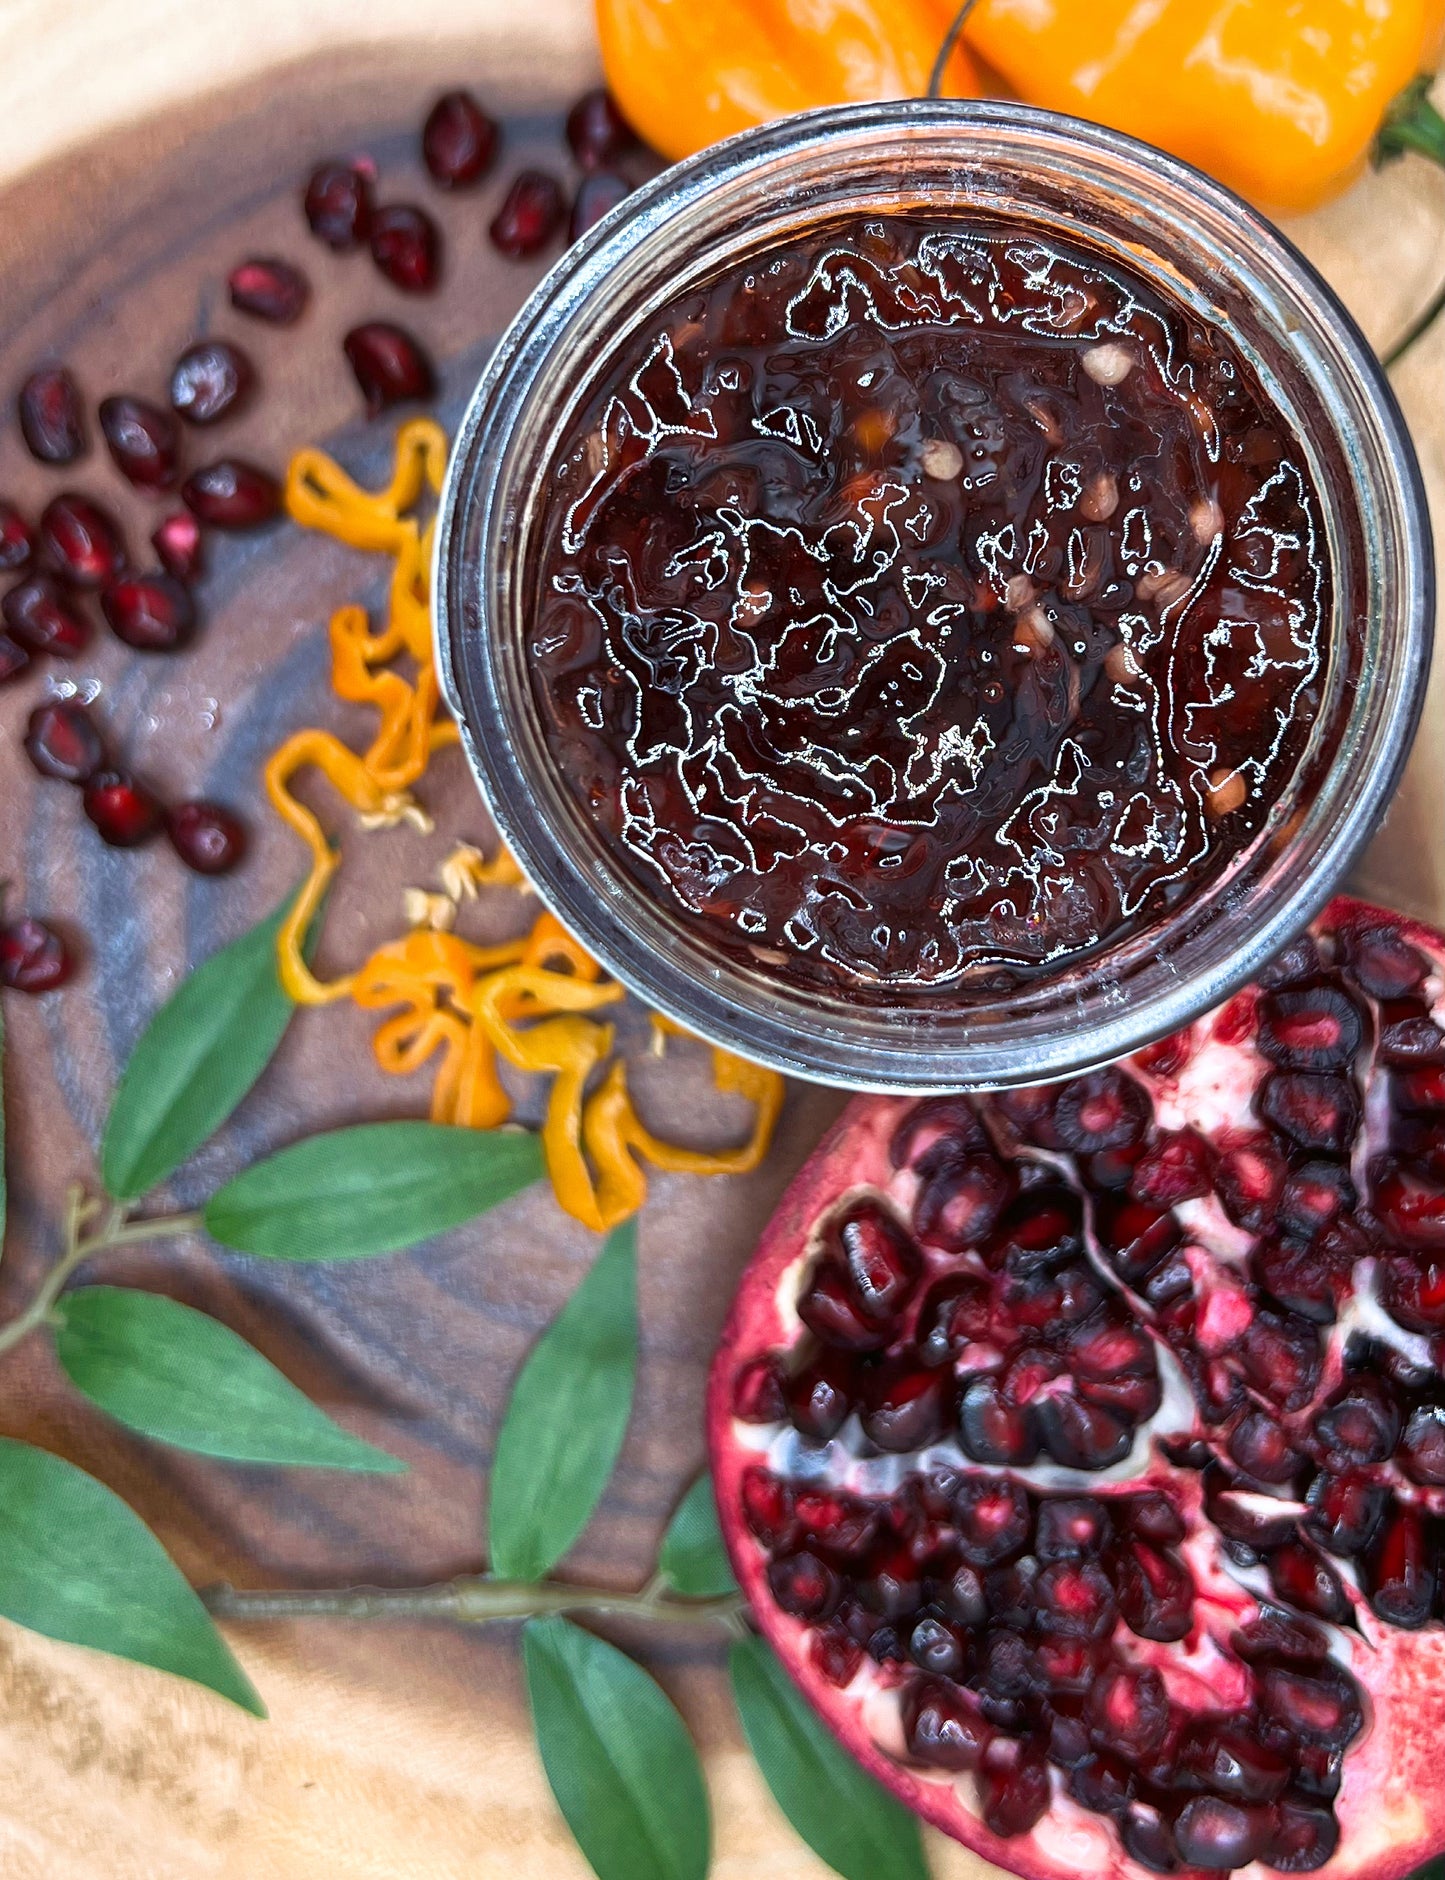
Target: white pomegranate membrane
[1082,1449]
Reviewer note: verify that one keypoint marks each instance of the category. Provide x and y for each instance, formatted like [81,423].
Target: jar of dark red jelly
[935,594]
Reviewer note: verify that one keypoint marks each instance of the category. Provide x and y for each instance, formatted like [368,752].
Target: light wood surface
[134,139]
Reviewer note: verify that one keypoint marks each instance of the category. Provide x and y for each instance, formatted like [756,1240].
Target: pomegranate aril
[232,494]
[1313,1196]
[954,1315]
[1014,1799]
[835,1656]
[993,1518]
[1129,1711]
[1156,1592]
[1283,1636]
[1305,1836]
[891,1587]
[458,140]
[177,542]
[142,441]
[61,741]
[1255,1520]
[1320,1707]
[1301,959]
[44,619]
[881,1260]
[804,1586]
[1359,1424]
[1344,1513]
[388,364]
[406,246]
[767,1506]
[1318,1772]
[941,1728]
[1041,1230]
[1104,1110]
[151,612]
[1263,1450]
[1412,1207]
[1231,1762]
[939,1648]
[1149,1839]
[1071,1527]
[269,289]
[1382,962]
[962,1200]
[1420,1091]
[758,1392]
[1399,1571]
[597,132]
[123,811]
[1153,1517]
[1103,1784]
[1422,1451]
[905,1408]
[1067,1665]
[831,1312]
[598,194]
[207,837]
[1136,1237]
[1309,1584]
[14,659]
[1409,1036]
[1282,1358]
[1414,1293]
[80,541]
[816,1400]
[1050,1303]
[1080,1435]
[1310,1028]
[1075,1599]
[1314,1110]
[1250,1179]
[1218,1835]
[1294,1274]
[965,1598]
[994,1431]
[210,380]
[33,957]
[1173,1168]
[842,1528]
[51,416]
[17,543]
[337,204]
[530,215]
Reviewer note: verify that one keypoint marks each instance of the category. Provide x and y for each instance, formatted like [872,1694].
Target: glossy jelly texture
[924,605]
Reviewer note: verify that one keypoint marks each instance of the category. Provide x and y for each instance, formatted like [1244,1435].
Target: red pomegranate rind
[1235,1749]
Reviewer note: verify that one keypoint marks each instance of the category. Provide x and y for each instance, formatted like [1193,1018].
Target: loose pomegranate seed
[80,541]
[142,441]
[33,957]
[14,659]
[389,365]
[209,380]
[597,131]
[530,215]
[124,811]
[151,612]
[17,543]
[598,194]
[51,416]
[206,837]
[406,246]
[337,202]
[44,619]
[458,140]
[177,542]
[232,494]
[269,289]
[62,742]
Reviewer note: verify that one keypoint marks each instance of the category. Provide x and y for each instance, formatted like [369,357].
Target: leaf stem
[945,51]
[472,1601]
[115,1230]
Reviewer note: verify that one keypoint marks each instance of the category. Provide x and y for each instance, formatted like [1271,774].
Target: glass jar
[1072,181]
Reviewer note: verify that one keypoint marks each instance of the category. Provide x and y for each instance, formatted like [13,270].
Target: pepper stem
[946,50]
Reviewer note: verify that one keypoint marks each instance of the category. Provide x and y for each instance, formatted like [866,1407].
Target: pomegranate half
[1081,1449]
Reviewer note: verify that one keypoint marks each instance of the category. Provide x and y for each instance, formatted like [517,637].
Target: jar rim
[1115,1001]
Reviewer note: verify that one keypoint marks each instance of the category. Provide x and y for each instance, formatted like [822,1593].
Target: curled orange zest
[467,1009]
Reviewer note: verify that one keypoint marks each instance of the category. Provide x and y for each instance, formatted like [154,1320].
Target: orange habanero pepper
[1281,99]
[687,72]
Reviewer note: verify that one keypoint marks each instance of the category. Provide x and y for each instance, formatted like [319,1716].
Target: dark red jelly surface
[925,605]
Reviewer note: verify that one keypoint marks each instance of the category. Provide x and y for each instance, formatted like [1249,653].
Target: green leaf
[176,1375]
[351,1193]
[837,1808]
[4,1190]
[692,1557]
[77,1564]
[618,1757]
[568,1415]
[195,1061]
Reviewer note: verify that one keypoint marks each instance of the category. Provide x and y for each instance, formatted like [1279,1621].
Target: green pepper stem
[1412,123]
[945,51]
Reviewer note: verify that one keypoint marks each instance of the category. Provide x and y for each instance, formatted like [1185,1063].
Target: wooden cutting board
[144,146]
